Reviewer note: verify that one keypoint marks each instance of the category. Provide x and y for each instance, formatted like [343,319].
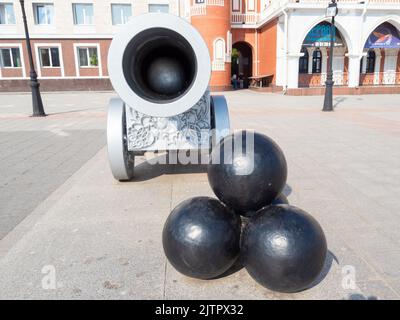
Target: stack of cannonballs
[282,247]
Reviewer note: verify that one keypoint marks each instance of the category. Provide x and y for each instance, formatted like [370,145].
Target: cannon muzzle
[159,65]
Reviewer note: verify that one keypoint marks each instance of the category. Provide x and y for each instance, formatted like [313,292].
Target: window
[219,49]
[7,13]
[159,8]
[317,61]
[370,62]
[250,5]
[83,13]
[10,58]
[49,57]
[88,57]
[121,13]
[236,5]
[43,13]
[303,61]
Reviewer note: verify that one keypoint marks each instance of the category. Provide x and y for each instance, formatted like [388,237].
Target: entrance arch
[242,63]
[315,51]
[380,62]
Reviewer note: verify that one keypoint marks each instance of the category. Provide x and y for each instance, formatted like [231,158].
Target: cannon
[160,67]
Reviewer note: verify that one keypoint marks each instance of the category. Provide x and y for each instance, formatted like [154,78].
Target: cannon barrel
[159,64]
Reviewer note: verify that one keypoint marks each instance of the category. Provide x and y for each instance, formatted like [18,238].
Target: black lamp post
[331,12]
[37,103]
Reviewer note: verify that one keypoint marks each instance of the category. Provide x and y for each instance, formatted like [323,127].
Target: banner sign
[385,36]
[320,36]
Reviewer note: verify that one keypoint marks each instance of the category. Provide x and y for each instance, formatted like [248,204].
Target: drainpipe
[285,46]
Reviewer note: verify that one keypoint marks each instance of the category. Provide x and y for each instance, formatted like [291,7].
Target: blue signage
[320,36]
[384,36]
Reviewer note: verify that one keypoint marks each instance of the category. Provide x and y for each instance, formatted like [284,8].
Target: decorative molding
[389,77]
[189,130]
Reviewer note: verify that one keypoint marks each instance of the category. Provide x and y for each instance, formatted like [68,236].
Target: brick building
[284,44]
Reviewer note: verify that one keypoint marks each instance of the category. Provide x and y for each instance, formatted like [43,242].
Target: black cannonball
[284,248]
[201,238]
[248,180]
[166,76]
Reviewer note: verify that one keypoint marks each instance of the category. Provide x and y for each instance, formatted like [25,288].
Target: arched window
[303,61]
[317,61]
[370,62]
[219,49]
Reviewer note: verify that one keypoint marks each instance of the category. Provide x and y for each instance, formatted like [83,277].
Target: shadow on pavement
[146,171]
[338,101]
[330,257]
[359,296]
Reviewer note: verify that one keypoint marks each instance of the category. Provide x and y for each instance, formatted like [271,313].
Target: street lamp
[331,12]
[37,103]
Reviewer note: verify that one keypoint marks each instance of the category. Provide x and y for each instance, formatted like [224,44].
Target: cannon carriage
[160,67]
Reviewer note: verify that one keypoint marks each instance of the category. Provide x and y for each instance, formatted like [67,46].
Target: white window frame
[50,57]
[215,49]
[19,46]
[121,12]
[38,62]
[12,60]
[240,7]
[253,2]
[87,49]
[7,23]
[36,16]
[158,4]
[84,15]
[77,66]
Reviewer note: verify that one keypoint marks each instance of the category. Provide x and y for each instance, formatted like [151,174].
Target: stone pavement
[38,155]
[93,237]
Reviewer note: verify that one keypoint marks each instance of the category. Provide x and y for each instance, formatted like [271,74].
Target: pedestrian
[234,81]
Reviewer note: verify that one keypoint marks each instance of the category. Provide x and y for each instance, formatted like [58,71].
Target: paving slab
[93,237]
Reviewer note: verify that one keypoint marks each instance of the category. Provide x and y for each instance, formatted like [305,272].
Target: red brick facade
[12,78]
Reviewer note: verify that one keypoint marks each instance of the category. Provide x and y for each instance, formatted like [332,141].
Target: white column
[389,75]
[364,63]
[378,58]
[354,70]
[310,58]
[338,65]
[293,70]
[280,53]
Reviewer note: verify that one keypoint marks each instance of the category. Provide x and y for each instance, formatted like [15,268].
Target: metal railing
[220,3]
[198,10]
[387,78]
[380,78]
[244,18]
[218,65]
[318,79]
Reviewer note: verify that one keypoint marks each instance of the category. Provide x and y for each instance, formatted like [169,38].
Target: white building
[279,44]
